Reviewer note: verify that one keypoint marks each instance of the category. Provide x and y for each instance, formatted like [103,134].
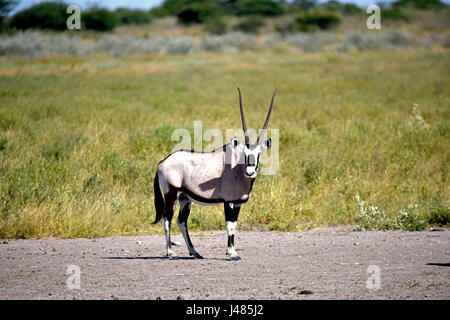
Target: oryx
[225,175]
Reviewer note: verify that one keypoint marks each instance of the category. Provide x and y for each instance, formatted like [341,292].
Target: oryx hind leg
[170,199]
[185,209]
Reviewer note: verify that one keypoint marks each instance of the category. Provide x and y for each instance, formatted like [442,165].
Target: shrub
[45,15]
[216,26]
[309,42]
[387,40]
[126,16]
[199,12]
[3,144]
[168,8]
[98,19]
[234,40]
[304,4]
[332,5]
[251,24]
[351,9]
[180,45]
[259,7]
[33,44]
[313,21]
[439,213]
[344,8]
[420,4]
[373,218]
[393,13]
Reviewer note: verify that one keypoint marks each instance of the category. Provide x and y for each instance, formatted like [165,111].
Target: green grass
[80,138]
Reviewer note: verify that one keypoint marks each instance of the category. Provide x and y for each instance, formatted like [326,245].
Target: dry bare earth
[324,264]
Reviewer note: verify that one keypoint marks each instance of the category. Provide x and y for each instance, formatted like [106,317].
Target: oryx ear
[235,143]
[267,143]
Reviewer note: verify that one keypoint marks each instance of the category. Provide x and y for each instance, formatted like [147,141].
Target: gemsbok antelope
[225,175]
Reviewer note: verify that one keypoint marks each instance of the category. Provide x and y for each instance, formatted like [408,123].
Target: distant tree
[394,13]
[229,6]
[345,8]
[5,8]
[350,8]
[199,11]
[420,4]
[313,21]
[45,15]
[332,5]
[169,8]
[125,16]
[304,4]
[259,7]
[250,24]
[98,19]
[216,26]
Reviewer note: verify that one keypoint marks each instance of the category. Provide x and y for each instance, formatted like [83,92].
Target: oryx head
[251,152]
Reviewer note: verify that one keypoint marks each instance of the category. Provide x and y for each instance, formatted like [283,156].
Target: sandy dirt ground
[324,264]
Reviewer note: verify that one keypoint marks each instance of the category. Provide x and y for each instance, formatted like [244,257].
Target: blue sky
[112,4]
[147,4]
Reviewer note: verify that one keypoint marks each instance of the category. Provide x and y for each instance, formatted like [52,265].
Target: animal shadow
[149,258]
[438,264]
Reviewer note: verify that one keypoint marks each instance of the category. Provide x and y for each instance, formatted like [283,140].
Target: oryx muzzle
[225,175]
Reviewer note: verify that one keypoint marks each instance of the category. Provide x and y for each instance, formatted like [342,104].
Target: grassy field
[80,138]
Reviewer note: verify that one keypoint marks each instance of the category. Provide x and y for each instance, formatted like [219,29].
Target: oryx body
[225,175]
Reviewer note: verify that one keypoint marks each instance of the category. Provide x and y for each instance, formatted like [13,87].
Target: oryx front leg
[231,216]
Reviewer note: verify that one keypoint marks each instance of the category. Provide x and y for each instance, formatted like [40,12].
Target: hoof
[196,255]
[234,258]
[171,255]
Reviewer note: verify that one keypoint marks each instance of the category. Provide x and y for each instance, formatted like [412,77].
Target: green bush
[344,8]
[350,9]
[45,15]
[197,11]
[312,21]
[374,218]
[126,16]
[168,8]
[439,213]
[98,19]
[393,13]
[216,26]
[332,5]
[259,7]
[304,4]
[420,4]
[251,24]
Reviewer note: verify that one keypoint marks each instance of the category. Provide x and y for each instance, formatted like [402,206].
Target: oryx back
[206,177]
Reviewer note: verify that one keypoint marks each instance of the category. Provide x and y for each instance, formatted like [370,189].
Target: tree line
[52,15]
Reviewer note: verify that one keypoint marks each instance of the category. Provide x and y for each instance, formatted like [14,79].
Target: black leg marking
[170,199]
[231,217]
[185,209]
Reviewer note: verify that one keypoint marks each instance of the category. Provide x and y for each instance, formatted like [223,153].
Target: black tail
[159,200]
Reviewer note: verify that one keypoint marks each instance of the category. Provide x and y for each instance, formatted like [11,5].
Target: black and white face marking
[251,155]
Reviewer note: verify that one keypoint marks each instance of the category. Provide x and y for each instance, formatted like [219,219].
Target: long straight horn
[263,131]
[244,125]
